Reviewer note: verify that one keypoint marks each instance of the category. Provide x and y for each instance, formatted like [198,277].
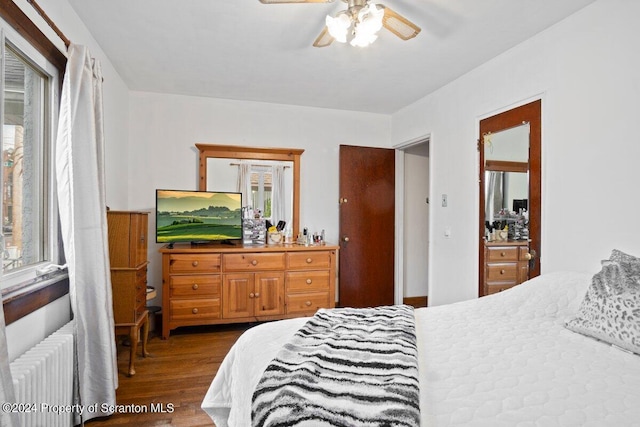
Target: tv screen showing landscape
[197,216]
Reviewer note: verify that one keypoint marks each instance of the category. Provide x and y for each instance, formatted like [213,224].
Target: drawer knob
[309,281]
[257,294]
[252,295]
[309,260]
[195,287]
[194,311]
[502,271]
[194,263]
[308,303]
[254,262]
[503,253]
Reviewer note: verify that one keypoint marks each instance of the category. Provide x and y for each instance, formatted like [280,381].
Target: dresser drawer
[194,263]
[305,281]
[141,290]
[196,286]
[502,272]
[498,287]
[502,253]
[195,309]
[309,260]
[253,261]
[307,303]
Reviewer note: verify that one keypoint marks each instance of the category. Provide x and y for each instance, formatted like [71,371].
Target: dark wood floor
[178,372]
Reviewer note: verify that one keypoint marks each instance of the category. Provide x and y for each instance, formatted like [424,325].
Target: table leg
[134,336]
[145,335]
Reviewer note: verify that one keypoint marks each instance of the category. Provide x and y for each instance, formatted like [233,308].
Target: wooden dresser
[215,283]
[128,232]
[506,265]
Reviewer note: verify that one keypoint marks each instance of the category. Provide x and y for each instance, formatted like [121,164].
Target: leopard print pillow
[619,256]
[610,310]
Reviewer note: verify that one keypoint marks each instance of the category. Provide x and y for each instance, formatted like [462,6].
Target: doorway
[414,251]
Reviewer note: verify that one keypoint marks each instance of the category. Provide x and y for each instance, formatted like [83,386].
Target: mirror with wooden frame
[510,198]
[218,171]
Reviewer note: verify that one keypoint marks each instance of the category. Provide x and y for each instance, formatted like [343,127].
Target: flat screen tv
[198,216]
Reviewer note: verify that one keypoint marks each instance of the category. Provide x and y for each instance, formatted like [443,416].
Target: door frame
[399,222]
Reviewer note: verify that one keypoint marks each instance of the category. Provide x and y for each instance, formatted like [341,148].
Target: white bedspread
[501,360]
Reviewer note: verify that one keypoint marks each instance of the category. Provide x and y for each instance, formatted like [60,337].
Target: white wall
[165,128]
[586,71]
[33,328]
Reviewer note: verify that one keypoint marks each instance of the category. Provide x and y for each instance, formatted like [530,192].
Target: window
[261,178]
[28,105]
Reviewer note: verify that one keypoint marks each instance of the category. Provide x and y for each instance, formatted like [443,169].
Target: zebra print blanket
[344,367]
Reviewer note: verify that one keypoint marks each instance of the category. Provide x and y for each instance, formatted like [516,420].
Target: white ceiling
[246,50]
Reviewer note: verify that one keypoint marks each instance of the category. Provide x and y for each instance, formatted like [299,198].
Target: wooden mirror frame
[207,151]
[528,113]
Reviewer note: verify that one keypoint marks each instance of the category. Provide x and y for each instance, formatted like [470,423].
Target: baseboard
[416,301]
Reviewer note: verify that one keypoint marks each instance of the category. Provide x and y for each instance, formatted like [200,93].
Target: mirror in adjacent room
[271,184]
[510,195]
[272,174]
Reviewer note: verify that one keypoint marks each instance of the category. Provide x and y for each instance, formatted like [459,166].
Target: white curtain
[81,196]
[244,183]
[278,199]
[7,418]
[495,196]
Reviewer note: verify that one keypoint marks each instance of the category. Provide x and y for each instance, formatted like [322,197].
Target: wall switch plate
[444,200]
[447,232]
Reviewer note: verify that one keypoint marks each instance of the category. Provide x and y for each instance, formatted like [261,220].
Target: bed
[502,360]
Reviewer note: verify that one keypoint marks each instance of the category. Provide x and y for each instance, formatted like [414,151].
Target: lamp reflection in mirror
[363,26]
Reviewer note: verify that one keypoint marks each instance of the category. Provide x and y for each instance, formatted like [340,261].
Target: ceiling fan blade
[399,25]
[294,1]
[324,39]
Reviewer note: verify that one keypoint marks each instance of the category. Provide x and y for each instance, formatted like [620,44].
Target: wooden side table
[133,331]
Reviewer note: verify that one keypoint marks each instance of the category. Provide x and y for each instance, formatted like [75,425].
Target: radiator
[43,381]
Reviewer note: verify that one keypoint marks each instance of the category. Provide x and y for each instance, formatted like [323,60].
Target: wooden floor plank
[178,372]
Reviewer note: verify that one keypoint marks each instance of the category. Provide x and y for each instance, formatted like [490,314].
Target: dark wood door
[367,221]
[532,114]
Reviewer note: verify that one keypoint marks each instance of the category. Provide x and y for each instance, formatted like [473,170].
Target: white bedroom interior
[584,68]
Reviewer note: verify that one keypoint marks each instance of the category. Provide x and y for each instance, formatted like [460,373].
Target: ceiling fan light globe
[372,13]
[369,23]
[363,39]
[338,27]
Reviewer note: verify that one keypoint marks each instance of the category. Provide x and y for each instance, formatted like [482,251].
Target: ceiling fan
[359,23]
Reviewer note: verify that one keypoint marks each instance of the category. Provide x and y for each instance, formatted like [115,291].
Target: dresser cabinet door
[268,294]
[236,289]
[139,235]
[252,294]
